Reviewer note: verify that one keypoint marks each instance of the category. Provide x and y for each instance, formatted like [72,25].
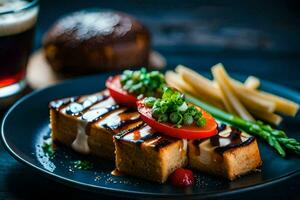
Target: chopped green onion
[188,119]
[201,122]
[183,107]
[175,117]
[156,113]
[173,105]
[149,101]
[163,118]
[142,82]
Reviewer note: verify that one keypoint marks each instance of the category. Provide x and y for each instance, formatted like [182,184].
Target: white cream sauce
[184,145]
[80,144]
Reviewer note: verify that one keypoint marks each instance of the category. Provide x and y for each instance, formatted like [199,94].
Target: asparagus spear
[275,138]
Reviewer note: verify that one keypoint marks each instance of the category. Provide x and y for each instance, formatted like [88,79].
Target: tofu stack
[87,124]
[96,125]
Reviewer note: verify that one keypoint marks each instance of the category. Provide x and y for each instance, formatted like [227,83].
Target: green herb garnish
[142,83]
[173,108]
[48,148]
[83,164]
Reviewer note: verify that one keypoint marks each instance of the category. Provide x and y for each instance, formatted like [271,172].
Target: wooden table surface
[248,37]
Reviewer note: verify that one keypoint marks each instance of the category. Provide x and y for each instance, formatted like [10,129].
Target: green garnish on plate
[173,108]
[143,83]
[83,164]
[48,148]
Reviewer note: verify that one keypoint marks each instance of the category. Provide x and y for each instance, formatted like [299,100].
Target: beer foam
[18,22]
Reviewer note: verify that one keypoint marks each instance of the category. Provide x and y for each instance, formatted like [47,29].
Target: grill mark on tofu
[229,137]
[95,114]
[124,123]
[162,142]
[62,103]
[137,135]
[106,113]
[148,137]
[79,108]
[99,99]
[126,118]
[113,122]
[145,135]
[233,138]
[123,133]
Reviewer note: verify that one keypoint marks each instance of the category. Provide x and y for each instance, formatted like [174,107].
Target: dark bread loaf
[96,40]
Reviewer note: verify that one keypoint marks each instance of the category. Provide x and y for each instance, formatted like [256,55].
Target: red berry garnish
[182,178]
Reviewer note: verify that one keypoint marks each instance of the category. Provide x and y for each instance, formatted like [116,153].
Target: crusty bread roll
[96,40]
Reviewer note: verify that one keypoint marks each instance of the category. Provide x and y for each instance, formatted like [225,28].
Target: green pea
[163,118]
[128,72]
[143,70]
[155,113]
[136,75]
[149,101]
[192,110]
[187,119]
[201,122]
[175,117]
[128,84]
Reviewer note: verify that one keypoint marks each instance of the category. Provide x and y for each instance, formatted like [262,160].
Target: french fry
[203,87]
[231,101]
[260,104]
[254,103]
[268,117]
[250,101]
[175,80]
[202,84]
[282,105]
[212,91]
[252,82]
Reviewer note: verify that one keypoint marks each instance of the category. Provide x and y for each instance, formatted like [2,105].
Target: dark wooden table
[249,37]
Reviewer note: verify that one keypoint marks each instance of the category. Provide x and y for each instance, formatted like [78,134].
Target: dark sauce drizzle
[123,123]
[161,141]
[78,109]
[98,117]
[120,135]
[146,138]
[60,104]
[234,137]
[101,115]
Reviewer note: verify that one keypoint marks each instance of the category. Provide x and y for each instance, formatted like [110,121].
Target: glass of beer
[17,26]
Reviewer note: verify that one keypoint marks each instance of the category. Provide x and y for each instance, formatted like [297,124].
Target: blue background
[249,37]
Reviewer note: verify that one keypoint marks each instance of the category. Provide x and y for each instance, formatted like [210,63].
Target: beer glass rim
[29,5]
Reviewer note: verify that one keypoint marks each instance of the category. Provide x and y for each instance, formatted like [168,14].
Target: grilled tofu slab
[231,153]
[87,123]
[145,153]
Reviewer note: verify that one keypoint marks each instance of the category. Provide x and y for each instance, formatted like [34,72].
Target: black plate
[26,124]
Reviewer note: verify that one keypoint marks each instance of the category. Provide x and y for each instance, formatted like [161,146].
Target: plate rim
[118,191]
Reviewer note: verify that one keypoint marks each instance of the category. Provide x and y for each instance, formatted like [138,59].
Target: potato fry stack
[241,99]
